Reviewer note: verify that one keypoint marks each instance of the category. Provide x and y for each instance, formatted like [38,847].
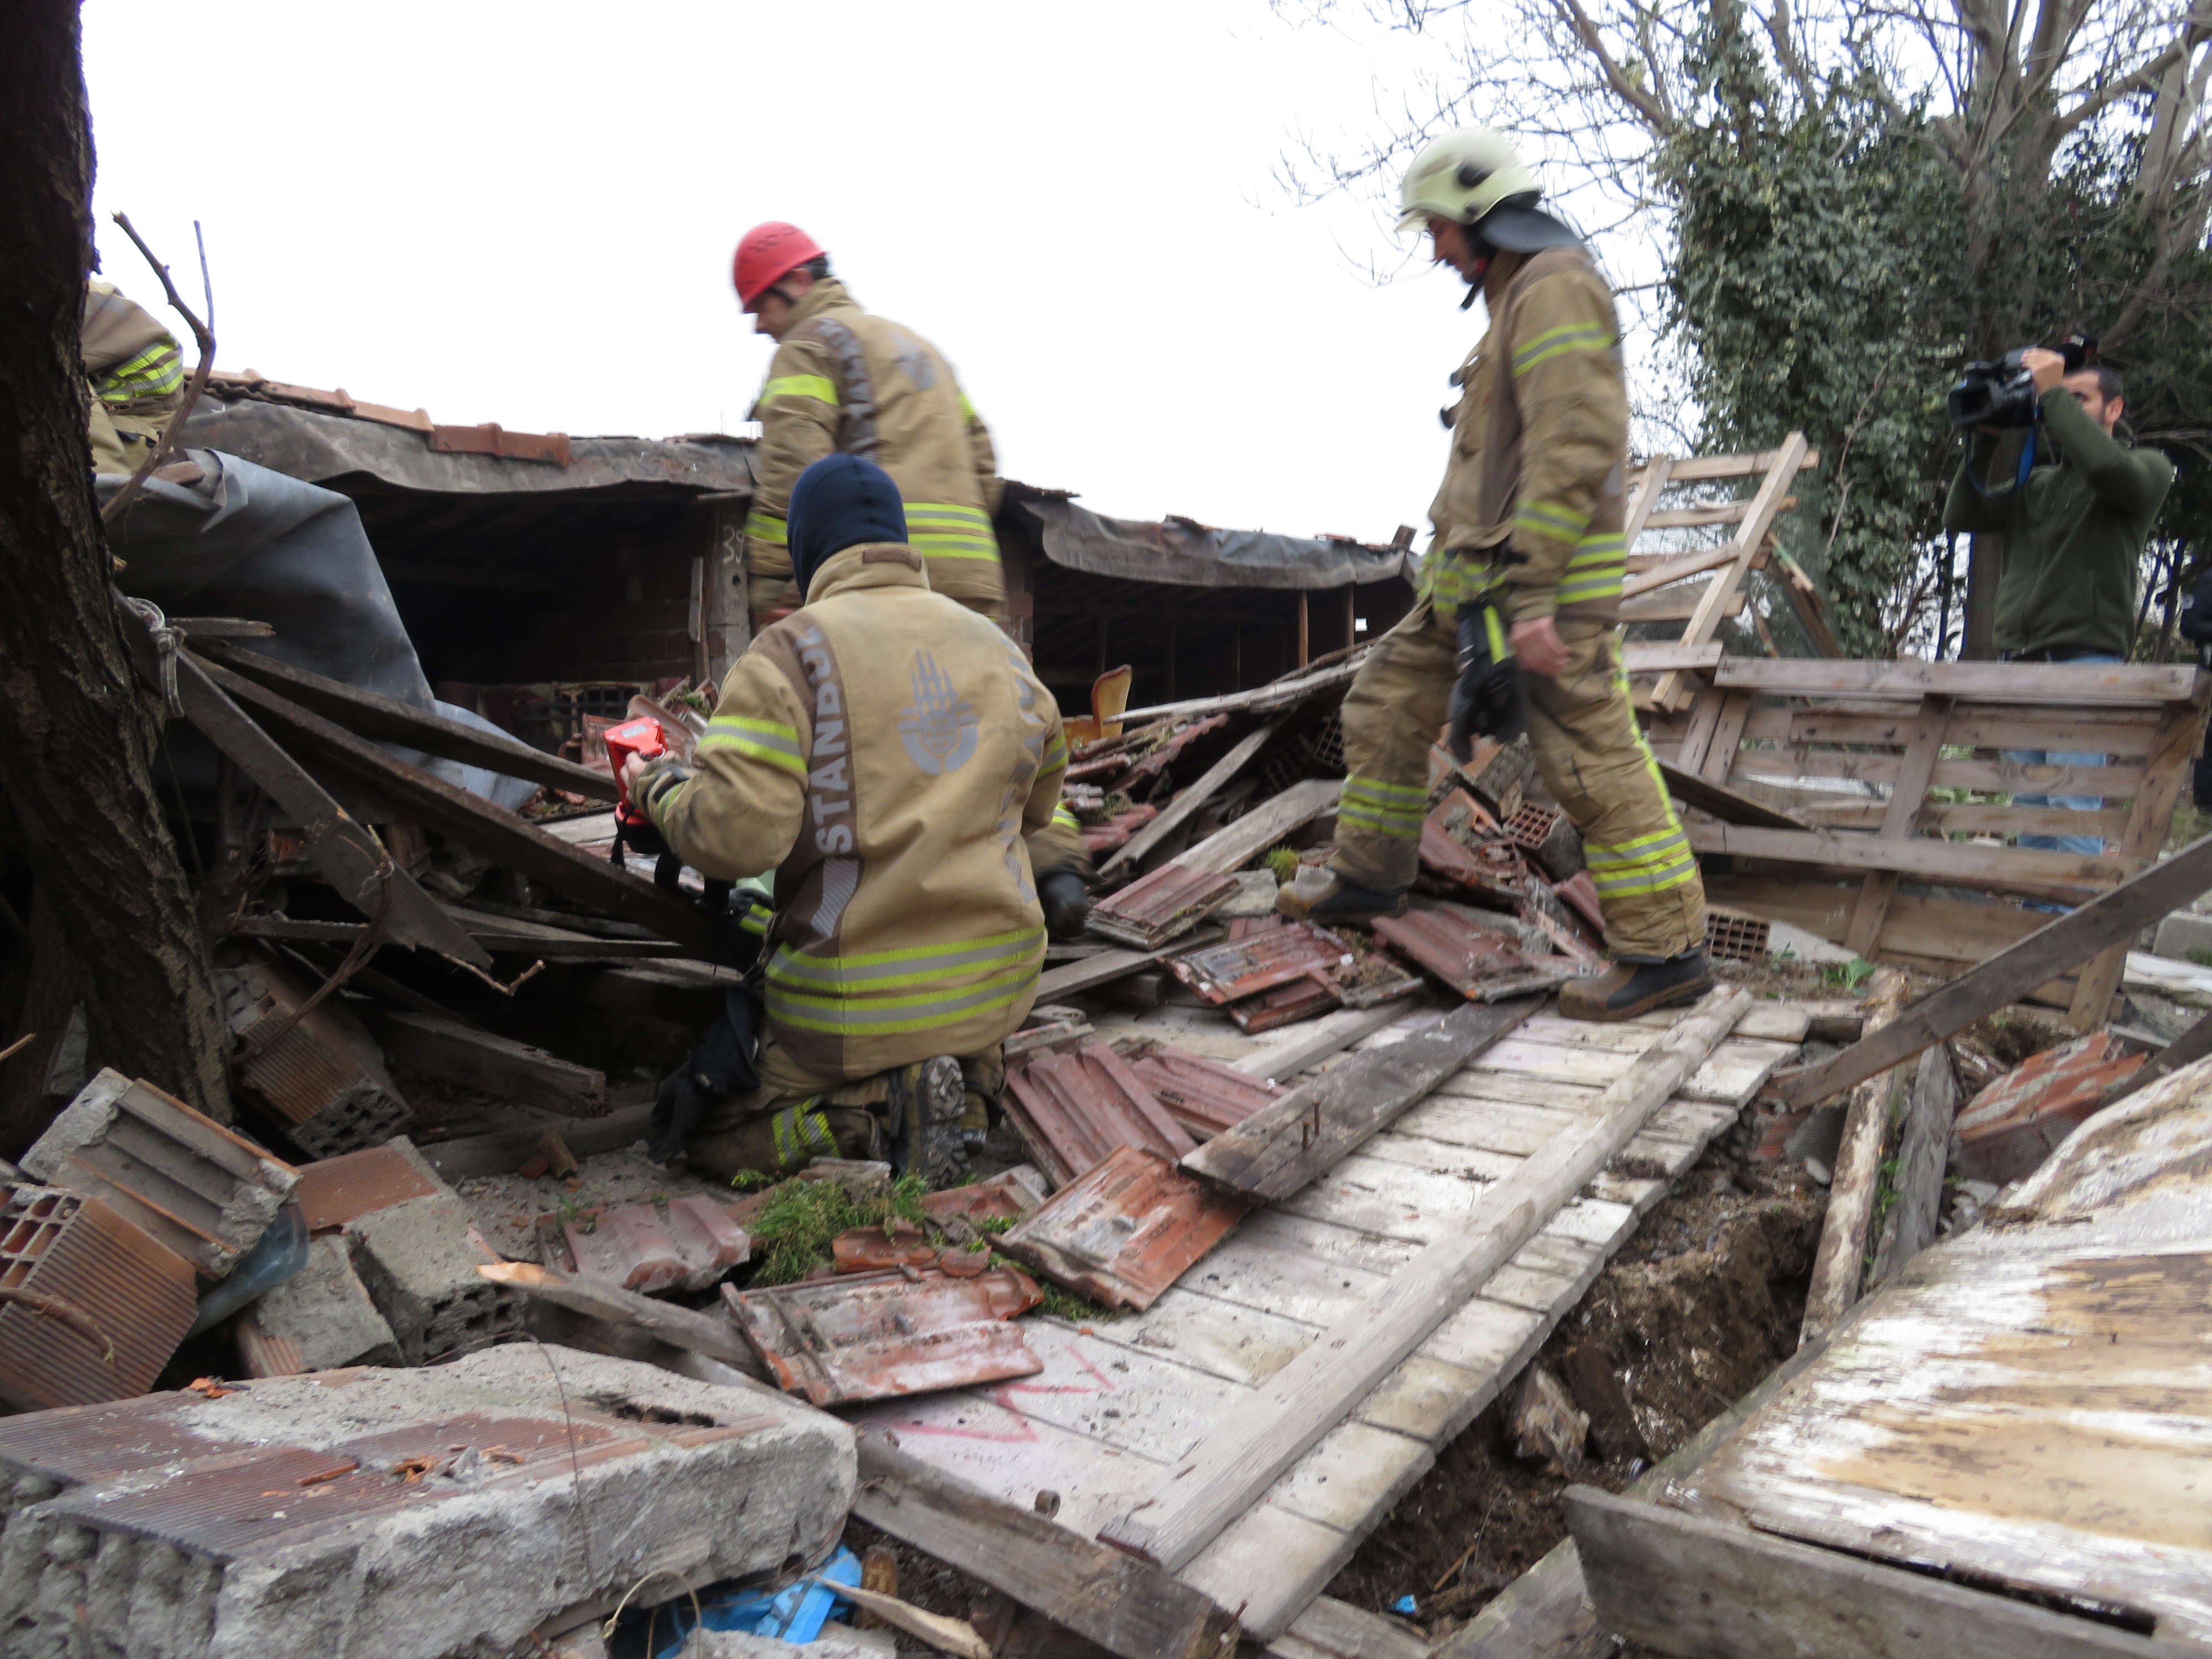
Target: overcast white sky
[524,214]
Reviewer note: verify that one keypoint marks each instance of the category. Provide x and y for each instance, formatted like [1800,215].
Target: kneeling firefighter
[1520,594]
[884,751]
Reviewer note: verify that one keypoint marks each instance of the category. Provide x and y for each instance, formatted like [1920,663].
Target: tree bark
[76,738]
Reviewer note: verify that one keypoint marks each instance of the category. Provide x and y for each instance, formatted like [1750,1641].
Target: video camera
[2002,393]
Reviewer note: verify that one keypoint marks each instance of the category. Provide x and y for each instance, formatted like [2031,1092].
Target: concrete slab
[836,1642]
[373,1514]
[2182,933]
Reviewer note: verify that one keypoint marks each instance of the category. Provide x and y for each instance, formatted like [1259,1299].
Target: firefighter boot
[928,1099]
[1322,895]
[1636,985]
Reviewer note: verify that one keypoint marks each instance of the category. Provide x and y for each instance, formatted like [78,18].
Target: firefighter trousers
[797,1115]
[1588,747]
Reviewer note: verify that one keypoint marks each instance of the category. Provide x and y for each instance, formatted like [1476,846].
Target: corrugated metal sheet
[873,1336]
[1154,908]
[1204,1096]
[1229,972]
[1474,962]
[1127,1230]
[1074,1106]
[93,1307]
[336,1190]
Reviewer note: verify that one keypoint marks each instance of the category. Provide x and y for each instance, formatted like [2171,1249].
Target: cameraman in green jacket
[2074,533]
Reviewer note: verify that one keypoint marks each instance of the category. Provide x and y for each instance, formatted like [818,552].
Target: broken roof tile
[1203,1095]
[1125,1230]
[1474,962]
[1073,1109]
[1237,968]
[1154,908]
[871,1336]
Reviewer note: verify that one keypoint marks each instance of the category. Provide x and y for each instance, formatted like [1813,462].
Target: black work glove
[1486,699]
[1066,903]
[722,1065]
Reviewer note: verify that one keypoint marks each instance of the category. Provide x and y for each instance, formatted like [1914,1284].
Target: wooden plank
[1697,740]
[343,852]
[375,715]
[477,824]
[2169,764]
[1959,863]
[498,1066]
[1750,534]
[1922,1151]
[2191,1046]
[580,945]
[1839,1261]
[1699,467]
[709,1334]
[1236,844]
[1663,656]
[2061,684]
[2064,943]
[1780,767]
[1723,803]
[1675,604]
[1285,1144]
[1330,1629]
[2117,731]
[1188,801]
[1130,1609]
[1293,688]
[1102,966]
[1908,796]
[1683,1585]
[503,1151]
[1650,484]
[1301,1402]
[1728,737]
[1968,818]
[1312,1040]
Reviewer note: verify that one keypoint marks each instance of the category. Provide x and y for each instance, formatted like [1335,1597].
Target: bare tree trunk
[76,739]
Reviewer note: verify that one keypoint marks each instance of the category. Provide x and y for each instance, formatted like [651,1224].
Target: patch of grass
[792,1232]
[2201,959]
[1847,976]
[1059,1303]
[1283,862]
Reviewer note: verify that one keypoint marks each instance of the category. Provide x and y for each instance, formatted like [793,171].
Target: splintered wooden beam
[388,718]
[1189,801]
[1723,803]
[345,854]
[1838,1264]
[1289,1413]
[709,1334]
[2059,946]
[474,822]
[1132,1610]
[1291,1139]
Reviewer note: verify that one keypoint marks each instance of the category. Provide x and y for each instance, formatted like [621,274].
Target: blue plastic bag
[794,1614]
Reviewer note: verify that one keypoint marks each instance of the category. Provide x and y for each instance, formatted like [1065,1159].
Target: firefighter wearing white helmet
[1520,594]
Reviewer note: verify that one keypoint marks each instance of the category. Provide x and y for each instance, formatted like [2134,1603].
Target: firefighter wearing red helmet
[844,381]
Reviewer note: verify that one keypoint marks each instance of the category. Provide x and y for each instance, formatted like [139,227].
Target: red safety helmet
[767,255]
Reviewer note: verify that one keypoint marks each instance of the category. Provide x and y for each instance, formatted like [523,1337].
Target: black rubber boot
[1634,986]
[1324,896]
[927,1101]
[1066,903]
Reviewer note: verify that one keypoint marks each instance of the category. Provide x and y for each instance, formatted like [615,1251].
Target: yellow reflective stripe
[1381,789]
[889,1016]
[801,1135]
[819,387]
[1064,819]
[917,964]
[767,527]
[1055,754]
[947,530]
[1388,829]
[1647,864]
[1557,342]
[967,409]
[1392,809]
[769,740]
[1597,550]
[1550,519]
[153,373]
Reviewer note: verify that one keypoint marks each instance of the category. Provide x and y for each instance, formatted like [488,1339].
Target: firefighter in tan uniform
[843,382]
[885,752]
[1520,594]
[136,373]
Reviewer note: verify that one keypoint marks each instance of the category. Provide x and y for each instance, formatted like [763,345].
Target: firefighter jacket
[1531,510]
[845,382]
[134,364]
[884,751]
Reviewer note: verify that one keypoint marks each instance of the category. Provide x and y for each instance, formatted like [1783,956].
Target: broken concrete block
[318,1320]
[836,1642]
[2014,1123]
[96,1306]
[641,1248]
[183,1179]
[1546,1423]
[2185,936]
[419,1260]
[322,1077]
[402,1515]
[334,1191]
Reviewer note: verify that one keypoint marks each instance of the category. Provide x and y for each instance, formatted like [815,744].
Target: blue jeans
[2090,845]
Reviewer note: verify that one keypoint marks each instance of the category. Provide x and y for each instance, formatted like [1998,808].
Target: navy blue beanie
[839,502]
